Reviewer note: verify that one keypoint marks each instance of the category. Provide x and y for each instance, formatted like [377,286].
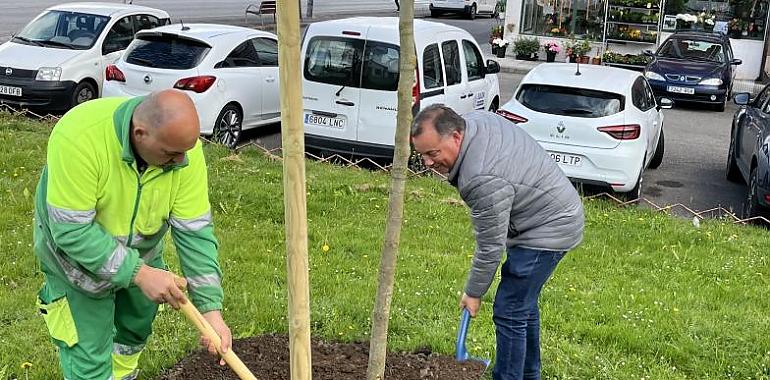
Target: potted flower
[495,32]
[685,21]
[580,49]
[502,45]
[707,21]
[526,48]
[551,49]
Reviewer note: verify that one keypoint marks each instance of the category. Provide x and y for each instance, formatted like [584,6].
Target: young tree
[381,313]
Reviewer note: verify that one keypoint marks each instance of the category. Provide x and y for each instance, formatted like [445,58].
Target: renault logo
[560,127]
[8,71]
[147,79]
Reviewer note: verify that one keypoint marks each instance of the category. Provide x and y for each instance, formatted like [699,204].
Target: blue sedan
[694,67]
[748,159]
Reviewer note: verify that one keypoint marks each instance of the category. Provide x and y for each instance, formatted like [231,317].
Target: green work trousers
[97,338]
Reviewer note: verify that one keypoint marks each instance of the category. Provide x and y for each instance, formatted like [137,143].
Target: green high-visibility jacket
[98,219]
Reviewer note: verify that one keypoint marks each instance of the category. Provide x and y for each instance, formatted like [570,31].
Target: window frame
[446,63]
[478,57]
[441,80]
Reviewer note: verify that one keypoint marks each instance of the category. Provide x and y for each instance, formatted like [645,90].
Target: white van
[58,60]
[350,76]
[470,8]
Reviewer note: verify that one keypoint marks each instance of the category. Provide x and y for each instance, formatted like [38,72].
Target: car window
[119,36]
[166,51]
[334,60]
[451,62]
[63,30]
[267,51]
[142,22]
[432,71]
[692,49]
[639,96]
[380,71]
[244,55]
[473,61]
[650,95]
[569,101]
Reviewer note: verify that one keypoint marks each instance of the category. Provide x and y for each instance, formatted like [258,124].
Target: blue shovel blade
[461,353]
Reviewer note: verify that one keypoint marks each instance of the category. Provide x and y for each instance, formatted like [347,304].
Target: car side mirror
[742,98]
[492,67]
[736,62]
[649,53]
[665,103]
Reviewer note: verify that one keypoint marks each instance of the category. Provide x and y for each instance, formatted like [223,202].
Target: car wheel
[732,172]
[636,192]
[82,93]
[493,107]
[657,159]
[434,14]
[752,208]
[228,126]
[472,12]
[496,12]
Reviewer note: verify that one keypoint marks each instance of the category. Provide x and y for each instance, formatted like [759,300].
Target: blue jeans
[516,313]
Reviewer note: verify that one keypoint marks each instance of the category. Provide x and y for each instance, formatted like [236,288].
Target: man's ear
[140,132]
[457,136]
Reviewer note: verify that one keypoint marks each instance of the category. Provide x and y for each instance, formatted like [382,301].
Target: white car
[603,127]
[470,8]
[350,75]
[230,72]
[57,61]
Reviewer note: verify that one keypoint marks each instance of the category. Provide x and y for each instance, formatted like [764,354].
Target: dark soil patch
[267,357]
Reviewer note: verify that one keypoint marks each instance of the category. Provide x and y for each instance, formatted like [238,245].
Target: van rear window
[569,101]
[352,62]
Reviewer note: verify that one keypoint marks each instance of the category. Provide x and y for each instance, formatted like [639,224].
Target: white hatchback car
[230,72]
[603,127]
[57,61]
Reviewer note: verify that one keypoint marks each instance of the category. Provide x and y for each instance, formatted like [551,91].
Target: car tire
[434,13]
[472,12]
[657,159]
[496,12]
[228,126]
[636,192]
[721,106]
[82,93]
[493,107]
[752,208]
[732,172]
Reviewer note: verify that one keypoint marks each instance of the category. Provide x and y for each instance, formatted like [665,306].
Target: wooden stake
[295,207]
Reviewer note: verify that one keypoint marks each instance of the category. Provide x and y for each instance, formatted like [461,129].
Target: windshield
[63,30]
[692,49]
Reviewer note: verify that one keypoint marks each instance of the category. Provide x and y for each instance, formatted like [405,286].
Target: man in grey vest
[521,202]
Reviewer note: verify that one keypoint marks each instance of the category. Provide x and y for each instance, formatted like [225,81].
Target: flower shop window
[741,19]
[584,18]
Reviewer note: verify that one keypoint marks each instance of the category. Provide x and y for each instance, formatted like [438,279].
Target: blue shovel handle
[461,354]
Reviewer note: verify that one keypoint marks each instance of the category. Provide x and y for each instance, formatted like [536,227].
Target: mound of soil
[268,358]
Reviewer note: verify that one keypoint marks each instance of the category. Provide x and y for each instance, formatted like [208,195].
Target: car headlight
[711,82]
[49,73]
[654,76]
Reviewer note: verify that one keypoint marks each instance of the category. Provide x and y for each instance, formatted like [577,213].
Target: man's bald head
[164,126]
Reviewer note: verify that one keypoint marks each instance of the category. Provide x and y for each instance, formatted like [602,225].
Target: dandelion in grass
[325,248]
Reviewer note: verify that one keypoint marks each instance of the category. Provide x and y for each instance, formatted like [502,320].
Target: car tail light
[622,132]
[113,73]
[196,84]
[416,90]
[512,117]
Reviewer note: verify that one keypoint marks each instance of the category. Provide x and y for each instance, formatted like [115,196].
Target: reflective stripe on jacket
[98,219]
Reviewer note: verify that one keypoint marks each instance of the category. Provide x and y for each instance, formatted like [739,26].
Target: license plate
[567,159]
[681,90]
[325,121]
[8,90]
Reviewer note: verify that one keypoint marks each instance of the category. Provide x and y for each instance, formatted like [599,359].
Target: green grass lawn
[646,296]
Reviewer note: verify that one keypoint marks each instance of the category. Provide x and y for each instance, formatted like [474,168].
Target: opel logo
[147,79]
[8,71]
